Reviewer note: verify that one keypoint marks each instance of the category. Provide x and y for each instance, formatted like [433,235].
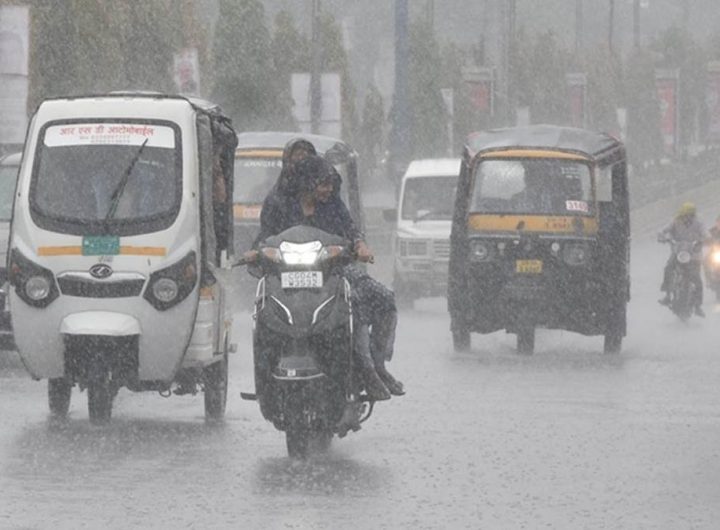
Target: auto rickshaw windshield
[533,186]
[79,176]
[255,177]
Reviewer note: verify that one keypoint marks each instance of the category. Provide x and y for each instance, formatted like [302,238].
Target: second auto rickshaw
[540,235]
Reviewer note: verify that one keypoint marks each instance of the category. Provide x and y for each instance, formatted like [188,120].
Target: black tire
[298,442]
[461,339]
[526,341]
[615,330]
[320,442]
[59,393]
[100,399]
[612,343]
[215,379]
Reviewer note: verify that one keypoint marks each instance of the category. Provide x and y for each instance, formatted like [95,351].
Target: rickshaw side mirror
[390,215]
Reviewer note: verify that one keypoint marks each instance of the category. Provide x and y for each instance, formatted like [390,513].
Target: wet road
[567,438]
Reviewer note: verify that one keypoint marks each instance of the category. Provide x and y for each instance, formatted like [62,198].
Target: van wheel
[59,392]
[215,379]
[526,341]
[461,340]
[100,398]
[612,343]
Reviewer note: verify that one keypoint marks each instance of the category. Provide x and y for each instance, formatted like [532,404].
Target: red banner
[667,97]
[481,95]
[713,105]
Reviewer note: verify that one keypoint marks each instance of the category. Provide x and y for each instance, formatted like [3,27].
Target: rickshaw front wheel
[215,384]
[59,392]
[526,340]
[100,400]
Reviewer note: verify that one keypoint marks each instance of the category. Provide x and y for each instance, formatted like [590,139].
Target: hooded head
[294,151]
[313,175]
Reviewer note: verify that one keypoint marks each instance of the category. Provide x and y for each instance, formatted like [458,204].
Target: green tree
[246,84]
[291,54]
[428,136]
[644,138]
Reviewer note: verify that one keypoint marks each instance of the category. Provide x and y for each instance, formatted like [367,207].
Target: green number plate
[100,245]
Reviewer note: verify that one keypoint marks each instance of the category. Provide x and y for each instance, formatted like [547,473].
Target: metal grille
[441,248]
[100,289]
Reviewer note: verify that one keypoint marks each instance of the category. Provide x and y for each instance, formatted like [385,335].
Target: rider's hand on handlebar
[250,256]
[364,253]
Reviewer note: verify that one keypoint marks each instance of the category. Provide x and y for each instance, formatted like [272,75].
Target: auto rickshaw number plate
[100,245]
[528,266]
[301,279]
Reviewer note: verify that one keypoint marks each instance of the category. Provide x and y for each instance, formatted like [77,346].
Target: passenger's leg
[374,386]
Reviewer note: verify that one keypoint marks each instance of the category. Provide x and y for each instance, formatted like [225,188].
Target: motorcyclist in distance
[685,227]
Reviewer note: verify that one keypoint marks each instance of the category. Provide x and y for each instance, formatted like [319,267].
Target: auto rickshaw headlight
[575,254]
[34,284]
[37,288]
[479,251]
[165,290]
[171,285]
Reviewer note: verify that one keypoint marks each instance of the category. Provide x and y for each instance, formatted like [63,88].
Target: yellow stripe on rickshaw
[263,153]
[562,224]
[534,153]
[125,250]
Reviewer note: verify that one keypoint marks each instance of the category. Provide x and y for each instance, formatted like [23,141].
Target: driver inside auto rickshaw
[308,196]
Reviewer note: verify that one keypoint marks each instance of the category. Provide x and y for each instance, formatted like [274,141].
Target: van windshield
[80,167]
[8,177]
[428,198]
[254,178]
[533,186]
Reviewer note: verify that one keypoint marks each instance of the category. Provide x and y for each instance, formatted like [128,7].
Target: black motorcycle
[306,381]
[682,288]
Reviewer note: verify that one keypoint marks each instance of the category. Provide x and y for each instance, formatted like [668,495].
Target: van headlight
[576,254]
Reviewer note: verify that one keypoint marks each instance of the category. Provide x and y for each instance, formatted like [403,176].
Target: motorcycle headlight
[37,288]
[715,257]
[300,253]
[479,251]
[165,290]
[683,256]
[575,254]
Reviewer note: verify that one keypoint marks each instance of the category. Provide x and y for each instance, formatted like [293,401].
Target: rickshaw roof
[278,139]
[543,137]
[433,167]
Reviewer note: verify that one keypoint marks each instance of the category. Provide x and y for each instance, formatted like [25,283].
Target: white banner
[109,134]
[186,72]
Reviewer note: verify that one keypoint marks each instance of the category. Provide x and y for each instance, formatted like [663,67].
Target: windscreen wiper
[120,188]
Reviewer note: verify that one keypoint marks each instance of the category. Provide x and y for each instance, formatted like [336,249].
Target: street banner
[666,83]
[14,46]
[577,92]
[712,100]
[331,103]
[186,71]
[481,86]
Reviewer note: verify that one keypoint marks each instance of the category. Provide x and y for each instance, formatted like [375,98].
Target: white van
[422,236]
[9,166]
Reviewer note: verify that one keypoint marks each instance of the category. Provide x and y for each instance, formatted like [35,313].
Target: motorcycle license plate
[301,279]
[528,266]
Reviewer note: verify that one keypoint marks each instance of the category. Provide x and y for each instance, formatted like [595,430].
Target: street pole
[636,24]
[611,26]
[578,27]
[315,73]
[399,140]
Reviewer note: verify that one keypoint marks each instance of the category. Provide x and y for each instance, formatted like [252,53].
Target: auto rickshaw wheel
[461,340]
[526,341]
[215,379]
[612,343]
[59,393]
[100,398]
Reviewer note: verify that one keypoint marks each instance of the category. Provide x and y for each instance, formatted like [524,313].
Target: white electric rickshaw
[121,221]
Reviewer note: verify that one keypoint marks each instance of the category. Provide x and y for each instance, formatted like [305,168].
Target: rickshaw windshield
[428,198]
[82,169]
[533,186]
[8,177]
[254,178]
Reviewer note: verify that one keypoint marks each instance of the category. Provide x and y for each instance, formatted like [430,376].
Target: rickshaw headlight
[575,254]
[479,251]
[37,288]
[171,285]
[165,290]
